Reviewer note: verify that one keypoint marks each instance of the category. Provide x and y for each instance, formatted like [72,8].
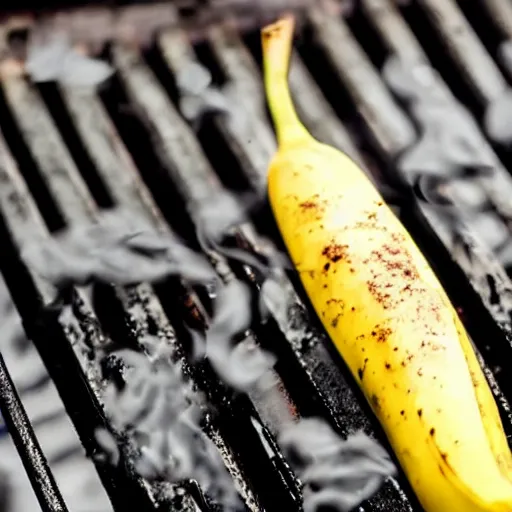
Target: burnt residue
[375,402]
[335,252]
[381,296]
[396,260]
[381,334]
[308,205]
[360,371]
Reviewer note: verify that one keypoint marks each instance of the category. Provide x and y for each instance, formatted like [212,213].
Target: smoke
[336,473]
[451,163]
[163,416]
[199,98]
[50,57]
[451,141]
[154,404]
[243,364]
[117,249]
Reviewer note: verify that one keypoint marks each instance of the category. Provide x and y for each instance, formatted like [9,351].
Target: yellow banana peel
[385,311]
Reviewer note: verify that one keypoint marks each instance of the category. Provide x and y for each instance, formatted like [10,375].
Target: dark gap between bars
[252,40]
[53,217]
[374,47]
[138,142]
[210,139]
[439,57]
[485,28]
[55,105]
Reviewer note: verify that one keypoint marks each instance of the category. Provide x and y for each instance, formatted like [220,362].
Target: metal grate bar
[466,49]
[501,11]
[26,443]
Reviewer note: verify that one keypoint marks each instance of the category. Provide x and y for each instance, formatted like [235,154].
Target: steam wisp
[50,57]
[163,416]
[243,364]
[451,161]
[336,473]
[120,249]
[199,97]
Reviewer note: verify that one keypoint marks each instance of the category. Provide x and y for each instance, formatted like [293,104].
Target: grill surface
[67,154]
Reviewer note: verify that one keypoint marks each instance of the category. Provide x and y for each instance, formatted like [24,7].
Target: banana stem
[276,41]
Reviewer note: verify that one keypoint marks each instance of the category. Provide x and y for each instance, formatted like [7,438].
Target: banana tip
[286,22]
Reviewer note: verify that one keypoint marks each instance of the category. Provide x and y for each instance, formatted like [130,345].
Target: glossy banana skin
[391,321]
[389,318]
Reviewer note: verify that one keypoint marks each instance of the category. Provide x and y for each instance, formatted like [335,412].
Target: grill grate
[68,154]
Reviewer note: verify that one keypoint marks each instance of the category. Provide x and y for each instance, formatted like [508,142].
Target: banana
[385,311]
